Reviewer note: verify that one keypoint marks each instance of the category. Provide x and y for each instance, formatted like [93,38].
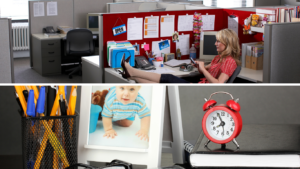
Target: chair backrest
[234,75]
[80,42]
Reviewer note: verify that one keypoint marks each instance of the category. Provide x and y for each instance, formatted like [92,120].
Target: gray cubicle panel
[123,7]
[64,18]
[290,2]
[82,7]
[259,105]
[281,53]
[6,53]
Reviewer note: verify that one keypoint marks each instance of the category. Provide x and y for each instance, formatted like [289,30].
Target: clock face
[220,125]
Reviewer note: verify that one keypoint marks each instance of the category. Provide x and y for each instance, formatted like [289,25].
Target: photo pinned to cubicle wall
[175,37]
[120,116]
[136,49]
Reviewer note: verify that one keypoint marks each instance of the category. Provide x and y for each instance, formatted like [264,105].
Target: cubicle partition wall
[6,52]
[221,22]
[123,7]
[281,53]
[82,7]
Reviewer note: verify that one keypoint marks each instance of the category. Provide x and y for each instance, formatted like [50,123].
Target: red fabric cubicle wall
[221,22]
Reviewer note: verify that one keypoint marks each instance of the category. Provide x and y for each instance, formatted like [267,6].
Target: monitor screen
[93,22]
[209,47]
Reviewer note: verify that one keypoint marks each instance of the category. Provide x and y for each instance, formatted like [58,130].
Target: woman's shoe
[128,59]
[125,73]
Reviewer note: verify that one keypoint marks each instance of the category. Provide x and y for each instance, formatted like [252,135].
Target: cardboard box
[257,63]
[248,61]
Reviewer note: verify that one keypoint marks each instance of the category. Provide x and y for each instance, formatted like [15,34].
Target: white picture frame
[150,157]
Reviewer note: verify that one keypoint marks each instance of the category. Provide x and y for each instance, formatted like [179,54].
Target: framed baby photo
[123,122]
[136,49]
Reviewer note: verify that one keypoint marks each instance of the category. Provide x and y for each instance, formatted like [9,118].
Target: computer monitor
[92,21]
[208,49]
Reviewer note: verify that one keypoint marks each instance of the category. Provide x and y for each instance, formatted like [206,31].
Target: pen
[50,99]
[62,106]
[25,93]
[30,104]
[40,108]
[36,92]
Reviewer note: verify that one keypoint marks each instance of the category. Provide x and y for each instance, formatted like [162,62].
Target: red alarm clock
[222,123]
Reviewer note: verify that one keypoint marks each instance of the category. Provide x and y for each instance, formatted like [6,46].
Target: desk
[112,76]
[47,53]
[91,72]
[251,75]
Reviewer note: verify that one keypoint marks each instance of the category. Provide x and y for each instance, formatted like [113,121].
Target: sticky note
[146,26]
[162,19]
[146,20]
[146,46]
[146,32]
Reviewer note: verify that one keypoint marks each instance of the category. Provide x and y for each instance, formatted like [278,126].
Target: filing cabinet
[46,57]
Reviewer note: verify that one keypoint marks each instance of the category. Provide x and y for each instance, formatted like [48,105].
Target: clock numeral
[227,132]
[212,123]
[231,129]
[222,133]
[214,118]
[232,123]
[217,132]
[227,114]
[222,113]
[231,119]
[214,128]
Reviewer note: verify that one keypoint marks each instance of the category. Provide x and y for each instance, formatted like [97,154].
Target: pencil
[19,90]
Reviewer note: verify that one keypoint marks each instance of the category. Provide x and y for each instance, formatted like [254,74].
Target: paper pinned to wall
[185,23]
[135,29]
[38,9]
[167,25]
[156,51]
[208,22]
[184,44]
[51,8]
[151,27]
[233,24]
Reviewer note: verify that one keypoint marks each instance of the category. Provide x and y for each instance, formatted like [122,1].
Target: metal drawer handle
[51,44]
[51,52]
[51,60]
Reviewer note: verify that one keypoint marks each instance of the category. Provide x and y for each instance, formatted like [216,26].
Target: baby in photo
[121,105]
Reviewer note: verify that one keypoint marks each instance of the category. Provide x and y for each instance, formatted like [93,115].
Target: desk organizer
[49,142]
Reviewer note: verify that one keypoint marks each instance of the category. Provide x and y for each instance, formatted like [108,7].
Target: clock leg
[235,142]
[208,141]
[223,146]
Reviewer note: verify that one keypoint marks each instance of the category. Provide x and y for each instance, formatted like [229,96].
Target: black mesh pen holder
[49,142]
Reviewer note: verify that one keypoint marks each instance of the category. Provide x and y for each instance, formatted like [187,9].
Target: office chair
[79,42]
[234,74]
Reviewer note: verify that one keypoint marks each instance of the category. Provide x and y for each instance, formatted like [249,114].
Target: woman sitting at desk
[218,71]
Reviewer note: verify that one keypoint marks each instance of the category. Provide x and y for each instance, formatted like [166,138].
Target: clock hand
[220,117]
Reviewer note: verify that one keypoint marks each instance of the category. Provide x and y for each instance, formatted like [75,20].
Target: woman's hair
[232,46]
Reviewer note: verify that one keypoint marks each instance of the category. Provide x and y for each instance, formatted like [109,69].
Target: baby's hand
[110,133]
[143,135]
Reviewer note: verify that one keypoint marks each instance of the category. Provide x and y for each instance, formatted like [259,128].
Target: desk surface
[94,60]
[54,37]
[251,75]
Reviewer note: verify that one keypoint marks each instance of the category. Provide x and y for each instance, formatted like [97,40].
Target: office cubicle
[70,13]
[6,53]
[281,53]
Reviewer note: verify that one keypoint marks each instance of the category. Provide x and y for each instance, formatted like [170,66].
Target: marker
[40,108]
[30,104]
